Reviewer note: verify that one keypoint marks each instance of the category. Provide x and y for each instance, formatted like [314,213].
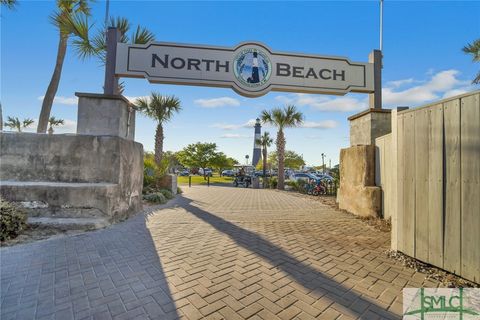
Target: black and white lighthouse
[257,148]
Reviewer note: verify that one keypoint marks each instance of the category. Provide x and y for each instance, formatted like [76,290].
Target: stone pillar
[105,115]
[368,125]
[357,193]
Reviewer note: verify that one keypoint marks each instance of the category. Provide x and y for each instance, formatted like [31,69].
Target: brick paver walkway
[217,253]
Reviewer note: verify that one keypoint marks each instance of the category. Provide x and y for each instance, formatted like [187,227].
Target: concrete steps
[71,204]
[70,223]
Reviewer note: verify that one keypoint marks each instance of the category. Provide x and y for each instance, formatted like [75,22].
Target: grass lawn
[199,180]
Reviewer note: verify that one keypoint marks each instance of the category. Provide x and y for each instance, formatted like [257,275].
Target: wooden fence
[430,175]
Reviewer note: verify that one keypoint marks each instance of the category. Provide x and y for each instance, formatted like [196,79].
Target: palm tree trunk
[53,86]
[281,159]
[159,144]
[264,154]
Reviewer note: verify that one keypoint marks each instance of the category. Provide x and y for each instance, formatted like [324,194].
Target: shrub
[151,171]
[273,182]
[179,190]
[12,220]
[157,197]
[167,193]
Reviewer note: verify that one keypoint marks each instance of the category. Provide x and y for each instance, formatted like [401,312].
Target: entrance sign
[251,68]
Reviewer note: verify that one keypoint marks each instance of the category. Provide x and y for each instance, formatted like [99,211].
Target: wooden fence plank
[409,183]
[400,183]
[451,116]
[421,184]
[470,186]
[435,186]
[387,184]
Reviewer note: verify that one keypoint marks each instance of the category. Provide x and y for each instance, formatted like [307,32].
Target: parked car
[228,173]
[324,177]
[303,176]
[184,173]
[208,172]
[259,173]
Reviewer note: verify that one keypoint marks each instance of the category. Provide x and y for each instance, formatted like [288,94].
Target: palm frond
[27,122]
[142,36]
[80,28]
[473,49]
[13,123]
[10,4]
[123,25]
[55,122]
[158,107]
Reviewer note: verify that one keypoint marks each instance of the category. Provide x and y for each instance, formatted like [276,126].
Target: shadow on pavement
[300,272]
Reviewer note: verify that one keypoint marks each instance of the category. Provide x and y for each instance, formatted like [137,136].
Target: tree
[161,109]
[474,49]
[15,123]
[71,20]
[292,159]
[265,141]
[54,122]
[221,161]
[198,155]
[287,117]
[141,36]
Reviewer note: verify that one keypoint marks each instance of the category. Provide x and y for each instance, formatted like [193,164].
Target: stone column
[368,125]
[105,115]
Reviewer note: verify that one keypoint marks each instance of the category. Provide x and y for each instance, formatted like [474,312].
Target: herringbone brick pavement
[215,253]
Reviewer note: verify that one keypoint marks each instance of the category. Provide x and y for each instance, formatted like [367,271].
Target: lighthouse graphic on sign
[256,146]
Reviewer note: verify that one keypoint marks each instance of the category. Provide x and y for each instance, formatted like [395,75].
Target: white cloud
[235,136]
[326,124]
[70,126]
[441,84]
[399,83]
[284,99]
[217,102]
[325,103]
[71,101]
[134,99]
[249,124]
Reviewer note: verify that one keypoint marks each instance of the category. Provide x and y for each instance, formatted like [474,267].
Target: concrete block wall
[73,173]
[357,193]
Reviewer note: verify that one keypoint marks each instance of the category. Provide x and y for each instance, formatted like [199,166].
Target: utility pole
[329,163]
[323,162]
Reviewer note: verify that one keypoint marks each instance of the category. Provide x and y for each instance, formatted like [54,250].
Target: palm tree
[15,123]
[287,117]
[161,109]
[474,49]
[54,122]
[265,141]
[141,35]
[71,20]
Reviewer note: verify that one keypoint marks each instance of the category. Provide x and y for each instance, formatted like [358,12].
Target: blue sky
[423,61]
